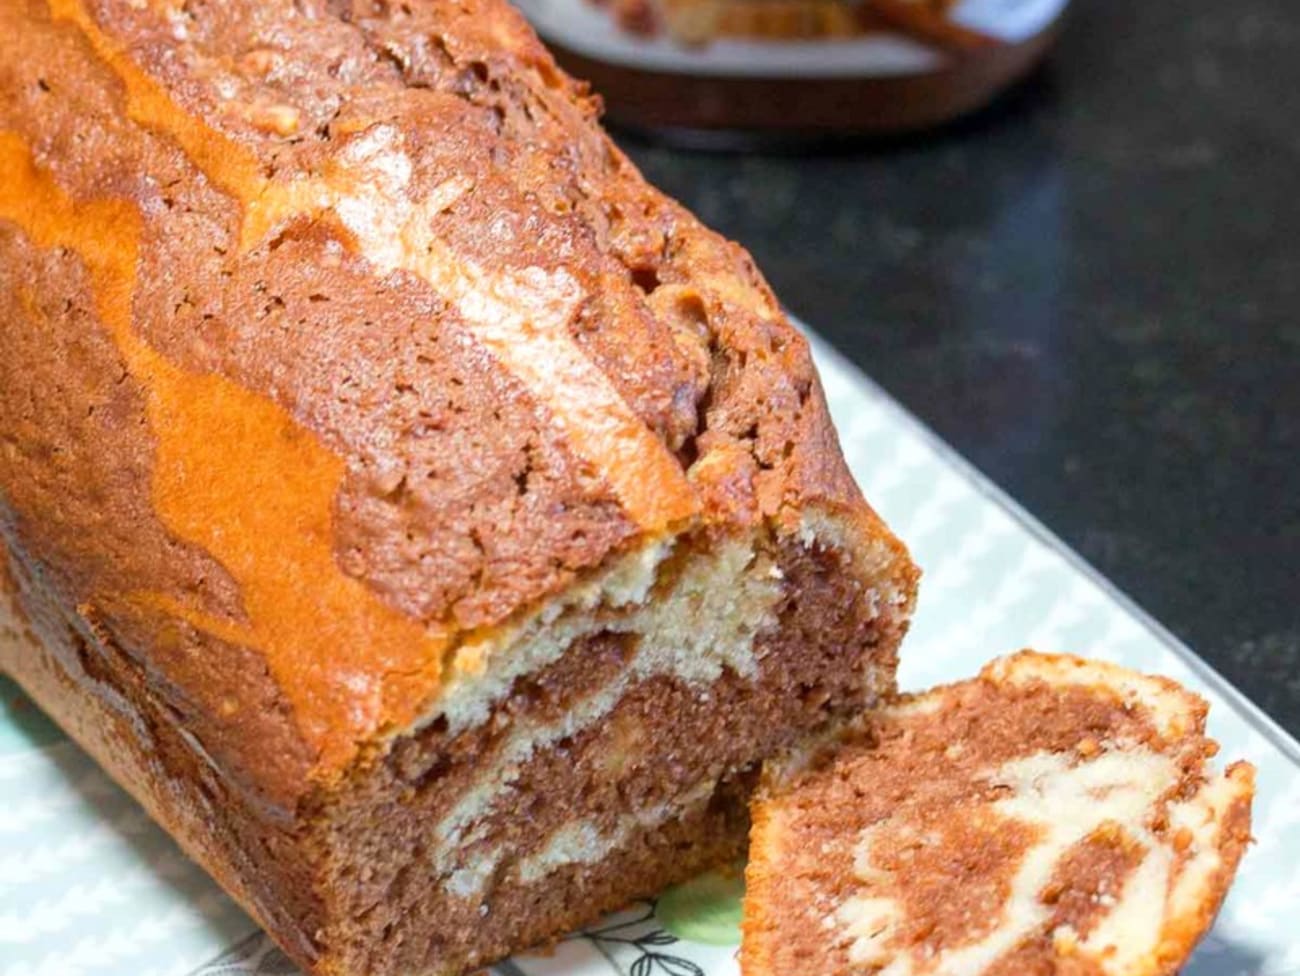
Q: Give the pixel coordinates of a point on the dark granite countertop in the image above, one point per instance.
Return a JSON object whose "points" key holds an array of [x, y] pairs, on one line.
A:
{"points": [[1093, 291]]}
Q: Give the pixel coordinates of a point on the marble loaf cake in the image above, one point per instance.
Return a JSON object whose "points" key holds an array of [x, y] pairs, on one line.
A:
{"points": [[430, 523]]}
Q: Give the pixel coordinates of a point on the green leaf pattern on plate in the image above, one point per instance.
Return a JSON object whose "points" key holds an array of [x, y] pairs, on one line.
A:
{"points": [[705, 910]]}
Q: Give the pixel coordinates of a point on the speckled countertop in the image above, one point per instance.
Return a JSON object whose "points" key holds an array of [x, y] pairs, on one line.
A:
{"points": [[1093, 291]]}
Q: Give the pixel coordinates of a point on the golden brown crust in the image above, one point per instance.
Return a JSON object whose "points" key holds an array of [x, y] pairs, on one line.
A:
{"points": [[106, 701], [192, 192], [1052, 815]]}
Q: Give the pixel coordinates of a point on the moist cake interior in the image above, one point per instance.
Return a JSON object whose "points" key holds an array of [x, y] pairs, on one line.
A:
{"points": [[608, 744], [1051, 816]]}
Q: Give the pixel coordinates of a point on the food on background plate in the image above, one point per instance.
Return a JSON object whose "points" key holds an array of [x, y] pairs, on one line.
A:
{"points": [[430, 523], [1053, 815], [704, 21], [735, 72]]}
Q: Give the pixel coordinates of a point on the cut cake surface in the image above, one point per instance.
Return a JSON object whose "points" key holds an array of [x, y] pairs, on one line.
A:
{"points": [[1053, 815]]}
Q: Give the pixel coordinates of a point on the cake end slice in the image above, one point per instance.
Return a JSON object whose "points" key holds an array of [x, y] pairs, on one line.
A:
{"points": [[1053, 815]]}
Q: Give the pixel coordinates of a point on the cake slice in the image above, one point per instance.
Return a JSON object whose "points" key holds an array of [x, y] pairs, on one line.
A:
{"points": [[1053, 815]]}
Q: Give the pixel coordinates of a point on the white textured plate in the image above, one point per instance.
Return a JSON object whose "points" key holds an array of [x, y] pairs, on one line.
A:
{"points": [[89, 885]]}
